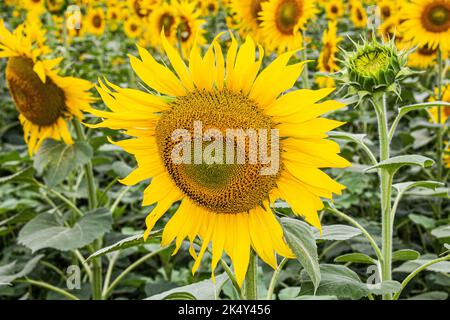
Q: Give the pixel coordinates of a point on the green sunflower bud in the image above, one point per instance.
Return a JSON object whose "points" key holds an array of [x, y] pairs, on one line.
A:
{"points": [[374, 67]]}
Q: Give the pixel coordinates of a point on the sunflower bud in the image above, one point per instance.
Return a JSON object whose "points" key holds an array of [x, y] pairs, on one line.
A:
{"points": [[374, 67]]}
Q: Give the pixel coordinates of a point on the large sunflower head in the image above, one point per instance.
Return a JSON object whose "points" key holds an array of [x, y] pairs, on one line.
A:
{"points": [[44, 99], [283, 21], [427, 22], [197, 139]]}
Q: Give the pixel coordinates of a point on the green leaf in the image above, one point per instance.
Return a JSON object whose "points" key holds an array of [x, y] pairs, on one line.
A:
{"points": [[410, 266], [355, 258], [337, 280], [395, 163], [424, 221], [180, 296], [202, 290], [385, 287], [404, 186], [59, 159], [301, 240], [340, 135], [432, 295], [7, 274], [338, 232], [22, 175], [288, 293], [437, 193], [441, 232], [45, 231], [405, 255], [133, 241], [311, 297]]}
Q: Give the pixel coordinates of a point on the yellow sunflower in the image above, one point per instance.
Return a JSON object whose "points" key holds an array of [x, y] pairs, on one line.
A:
{"points": [[427, 23], [44, 99], [445, 111], [283, 20], [133, 27], [358, 15], [209, 7], [188, 25], [95, 21], [248, 13], [387, 8], [162, 17], [422, 58], [226, 204], [334, 9], [114, 17], [447, 157], [55, 6], [327, 58]]}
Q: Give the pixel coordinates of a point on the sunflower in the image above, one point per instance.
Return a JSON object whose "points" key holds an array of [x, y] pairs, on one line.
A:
{"points": [[225, 204], [55, 6], [422, 58], [334, 9], [358, 15], [114, 16], [327, 58], [142, 8], [44, 99], [282, 21], [188, 25], [209, 7], [162, 17], [427, 22], [248, 13], [445, 111], [389, 29], [95, 21], [386, 8], [34, 6], [133, 27]]}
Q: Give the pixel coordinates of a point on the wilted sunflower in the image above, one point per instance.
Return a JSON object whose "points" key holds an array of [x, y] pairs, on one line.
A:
{"points": [[225, 204], [334, 9], [327, 58], [427, 22], [422, 58], [44, 99], [282, 21], [358, 15], [95, 21], [162, 17], [133, 27], [445, 111]]}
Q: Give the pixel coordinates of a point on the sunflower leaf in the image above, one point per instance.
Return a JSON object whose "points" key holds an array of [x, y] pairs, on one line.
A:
{"points": [[395, 163], [301, 240], [58, 159], [45, 231]]}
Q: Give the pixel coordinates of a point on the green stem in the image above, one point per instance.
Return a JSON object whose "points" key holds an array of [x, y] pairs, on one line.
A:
{"points": [[385, 189], [360, 227], [251, 279], [415, 272], [48, 286], [440, 143], [96, 280], [274, 280], [232, 278], [129, 269]]}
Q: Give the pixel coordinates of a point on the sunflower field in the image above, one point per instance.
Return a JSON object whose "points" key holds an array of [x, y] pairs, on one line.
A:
{"points": [[224, 150]]}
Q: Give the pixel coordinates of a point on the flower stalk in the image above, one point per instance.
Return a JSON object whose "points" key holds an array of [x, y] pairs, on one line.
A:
{"points": [[251, 279]]}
